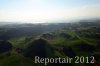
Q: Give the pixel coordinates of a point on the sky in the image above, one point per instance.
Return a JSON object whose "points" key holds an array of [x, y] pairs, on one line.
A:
{"points": [[47, 10]]}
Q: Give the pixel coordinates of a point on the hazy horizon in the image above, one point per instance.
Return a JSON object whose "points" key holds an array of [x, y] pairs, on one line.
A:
{"points": [[40, 11]]}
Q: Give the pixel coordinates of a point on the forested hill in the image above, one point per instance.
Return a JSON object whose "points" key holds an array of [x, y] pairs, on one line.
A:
{"points": [[20, 43]]}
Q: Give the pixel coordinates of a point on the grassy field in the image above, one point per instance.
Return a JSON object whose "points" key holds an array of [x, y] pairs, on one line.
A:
{"points": [[77, 40]]}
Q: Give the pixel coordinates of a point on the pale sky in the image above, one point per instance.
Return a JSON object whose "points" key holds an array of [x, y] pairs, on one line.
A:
{"points": [[48, 10]]}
